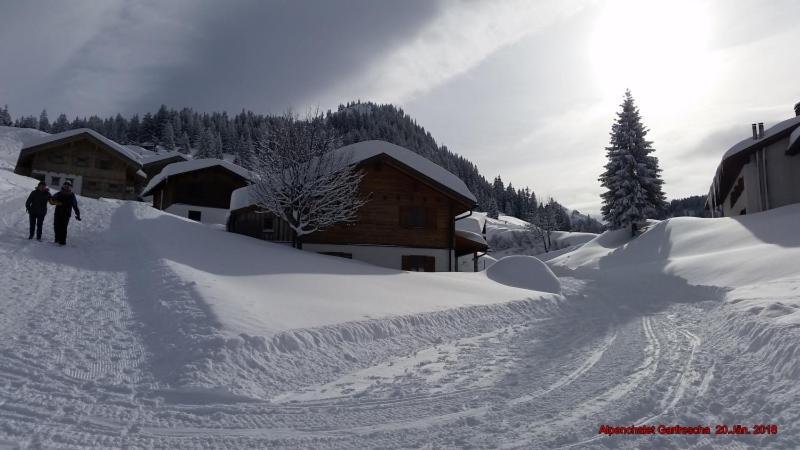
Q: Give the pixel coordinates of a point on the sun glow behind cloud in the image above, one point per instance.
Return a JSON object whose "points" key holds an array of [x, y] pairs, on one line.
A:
{"points": [[658, 49]]}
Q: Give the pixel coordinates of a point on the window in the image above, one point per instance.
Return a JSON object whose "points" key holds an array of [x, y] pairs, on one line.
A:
{"points": [[55, 181], [92, 185], [113, 187], [416, 217], [103, 164], [419, 263], [194, 215], [339, 254], [81, 161], [269, 223], [56, 158]]}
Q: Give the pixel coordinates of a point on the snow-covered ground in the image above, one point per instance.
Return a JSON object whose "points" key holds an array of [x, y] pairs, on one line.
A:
{"points": [[151, 331]]}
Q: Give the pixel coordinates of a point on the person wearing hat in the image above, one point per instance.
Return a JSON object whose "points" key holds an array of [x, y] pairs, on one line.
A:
{"points": [[64, 201], [36, 206]]}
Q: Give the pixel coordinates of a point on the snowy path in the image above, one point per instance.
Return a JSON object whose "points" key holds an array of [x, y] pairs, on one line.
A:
{"points": [[548, 383], [85, 361]]}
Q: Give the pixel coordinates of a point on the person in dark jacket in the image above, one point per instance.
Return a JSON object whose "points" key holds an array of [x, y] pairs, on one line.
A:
{"points": [[64, 201], [36, 206]]}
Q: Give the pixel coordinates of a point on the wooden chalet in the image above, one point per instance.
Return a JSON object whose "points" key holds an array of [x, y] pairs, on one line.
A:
{"points": [[95, 165], [199, 189], [408, 222]]}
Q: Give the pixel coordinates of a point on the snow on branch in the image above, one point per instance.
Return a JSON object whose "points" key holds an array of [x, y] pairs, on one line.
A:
{"points": [[301, 178]]}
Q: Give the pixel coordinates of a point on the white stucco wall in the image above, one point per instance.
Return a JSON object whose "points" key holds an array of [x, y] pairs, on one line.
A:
{"points": [[207, 215], [783, 175], [77, 180], [783, 181], [384, 256]]}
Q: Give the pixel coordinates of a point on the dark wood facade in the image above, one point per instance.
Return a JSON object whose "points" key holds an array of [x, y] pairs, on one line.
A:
{"points": [[209, 187], [402, 210], [102, 171], [252, 222]]}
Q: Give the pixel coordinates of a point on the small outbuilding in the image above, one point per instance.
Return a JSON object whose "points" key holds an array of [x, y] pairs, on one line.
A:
{"points": [[199, 189], [95, 165]]}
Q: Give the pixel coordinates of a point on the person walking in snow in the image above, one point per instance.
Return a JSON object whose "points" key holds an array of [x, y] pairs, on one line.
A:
{"points": [[36, 206], [64, 201]]}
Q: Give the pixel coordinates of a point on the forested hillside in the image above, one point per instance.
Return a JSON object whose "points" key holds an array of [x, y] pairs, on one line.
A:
{"points": [[217, 133]]}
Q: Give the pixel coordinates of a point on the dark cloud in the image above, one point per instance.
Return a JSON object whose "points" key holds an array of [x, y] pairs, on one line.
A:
{"points": [[266, 56]]}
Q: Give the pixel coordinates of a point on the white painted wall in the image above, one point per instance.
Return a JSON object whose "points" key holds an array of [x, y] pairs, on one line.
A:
{"points": [[384, 256], [783, 175], [77, 180], [783, 181], [207, 215]]}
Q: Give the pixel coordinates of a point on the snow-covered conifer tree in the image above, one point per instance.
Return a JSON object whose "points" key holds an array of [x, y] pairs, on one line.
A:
{"points": [[632, 178], [302, 179], [205, 146], [185, 144], [493, 211], [168, 136], [5, 117]]}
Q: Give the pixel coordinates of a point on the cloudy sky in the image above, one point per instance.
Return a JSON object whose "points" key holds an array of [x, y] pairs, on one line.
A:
{"points": [[525, 89]]}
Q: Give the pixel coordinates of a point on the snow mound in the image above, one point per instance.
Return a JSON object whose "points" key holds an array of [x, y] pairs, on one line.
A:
{"points": [[524, 272]]}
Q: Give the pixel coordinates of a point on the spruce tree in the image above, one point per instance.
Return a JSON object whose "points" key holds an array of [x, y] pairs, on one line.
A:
{"points": [[61, 124], [44, 122], [632, 178], [168, 136], [5, 117], [205, 147], [185, 144]]}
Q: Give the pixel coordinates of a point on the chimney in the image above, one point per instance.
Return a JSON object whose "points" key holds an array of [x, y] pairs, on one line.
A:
{"points": [[760, 130], [755, 133], [797, 109]]}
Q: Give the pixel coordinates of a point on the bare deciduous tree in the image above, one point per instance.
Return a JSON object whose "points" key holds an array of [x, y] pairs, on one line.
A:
{"points": [[301, 178]]}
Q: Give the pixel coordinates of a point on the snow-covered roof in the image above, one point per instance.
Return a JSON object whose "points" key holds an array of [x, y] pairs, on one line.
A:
{"points": [[123, 151], [471, 236], [367, 149], [140, 150], [768, 133], [156, 157], [191, 166], [240, 198]]}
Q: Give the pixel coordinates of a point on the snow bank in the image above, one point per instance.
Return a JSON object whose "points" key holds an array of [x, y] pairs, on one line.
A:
{"points": [[524, 272], [725, 252]]}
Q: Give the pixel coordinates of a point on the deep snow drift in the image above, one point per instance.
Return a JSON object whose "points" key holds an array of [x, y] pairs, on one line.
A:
{"points": [[151, 331]]}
